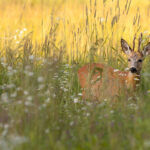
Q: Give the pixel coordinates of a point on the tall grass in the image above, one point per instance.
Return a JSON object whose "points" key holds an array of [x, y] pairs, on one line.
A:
{"points": [[43, 44]]}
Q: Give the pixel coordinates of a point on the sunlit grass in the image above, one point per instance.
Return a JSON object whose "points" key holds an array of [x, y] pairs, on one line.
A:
{"points": [[89, 20]]}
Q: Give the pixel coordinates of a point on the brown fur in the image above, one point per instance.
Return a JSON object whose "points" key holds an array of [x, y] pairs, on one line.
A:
{"points": [[98, 80], [113, 81]]}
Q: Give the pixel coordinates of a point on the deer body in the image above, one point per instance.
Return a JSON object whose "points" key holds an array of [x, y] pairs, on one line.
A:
{"points": [[98, 80], [108, 83]]}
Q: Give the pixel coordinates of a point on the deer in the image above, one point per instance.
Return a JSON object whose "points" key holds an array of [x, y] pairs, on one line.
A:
{"points": [[98, 80]]}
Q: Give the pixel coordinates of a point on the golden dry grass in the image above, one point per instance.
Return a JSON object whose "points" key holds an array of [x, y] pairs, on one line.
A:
{"points": [[108, 19]]}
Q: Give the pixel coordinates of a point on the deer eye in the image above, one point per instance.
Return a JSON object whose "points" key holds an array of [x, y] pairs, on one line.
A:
{"points": [[129, 60], [140, 60]]}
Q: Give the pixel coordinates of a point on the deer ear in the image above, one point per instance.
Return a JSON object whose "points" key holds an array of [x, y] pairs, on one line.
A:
{"points": [[125, 47], [146, 50]]}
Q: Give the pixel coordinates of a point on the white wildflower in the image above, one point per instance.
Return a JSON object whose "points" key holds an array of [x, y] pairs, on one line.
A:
{"points": [[19, 89], [40, 79], [21, 32], [126, 69], [15, 37], [9, 68], [30, 74], [47, 92], [14, 71], [105, 100], [4, 64], [136, 79], [75, 100], [26, 92], [65, 90], [101, 19], [13, 94], [44, 105], [28, 103], [79, 94], [25, 29], [29, 98], [84, 108], [87, 114], [133, 106], [4, 133], [19, 102], [41, 86], [31, 57], [47, 100], [89, 103], [10, 86], [98, 77], [47, 131], [130, 98], [4, 97], [27, 67], [112, 111], [116, 70], [71, 123], [67, 65], [6, 126], [54, 95]]}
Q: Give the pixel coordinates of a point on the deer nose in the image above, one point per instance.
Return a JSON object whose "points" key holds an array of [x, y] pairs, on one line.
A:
{"points": [[133, 70]]}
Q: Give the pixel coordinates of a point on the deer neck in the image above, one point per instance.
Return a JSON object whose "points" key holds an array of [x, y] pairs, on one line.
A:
{"points": [[133, 80]]}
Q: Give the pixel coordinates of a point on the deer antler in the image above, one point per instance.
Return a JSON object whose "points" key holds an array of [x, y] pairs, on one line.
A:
{"points": [[134, 42], [140, 41]]}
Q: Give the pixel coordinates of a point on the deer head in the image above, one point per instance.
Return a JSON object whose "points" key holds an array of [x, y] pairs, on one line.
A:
{"points": [[135, 58]]}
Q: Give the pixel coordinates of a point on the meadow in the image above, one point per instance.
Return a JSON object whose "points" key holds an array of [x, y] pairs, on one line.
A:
{"points": [[43, 43]]}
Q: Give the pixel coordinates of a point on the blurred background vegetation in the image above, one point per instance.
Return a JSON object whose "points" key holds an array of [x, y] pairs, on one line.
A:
{"points": [[87, 21]]}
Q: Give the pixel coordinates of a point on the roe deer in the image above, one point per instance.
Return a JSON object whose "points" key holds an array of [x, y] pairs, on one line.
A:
{"points": [[98, 80]]}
